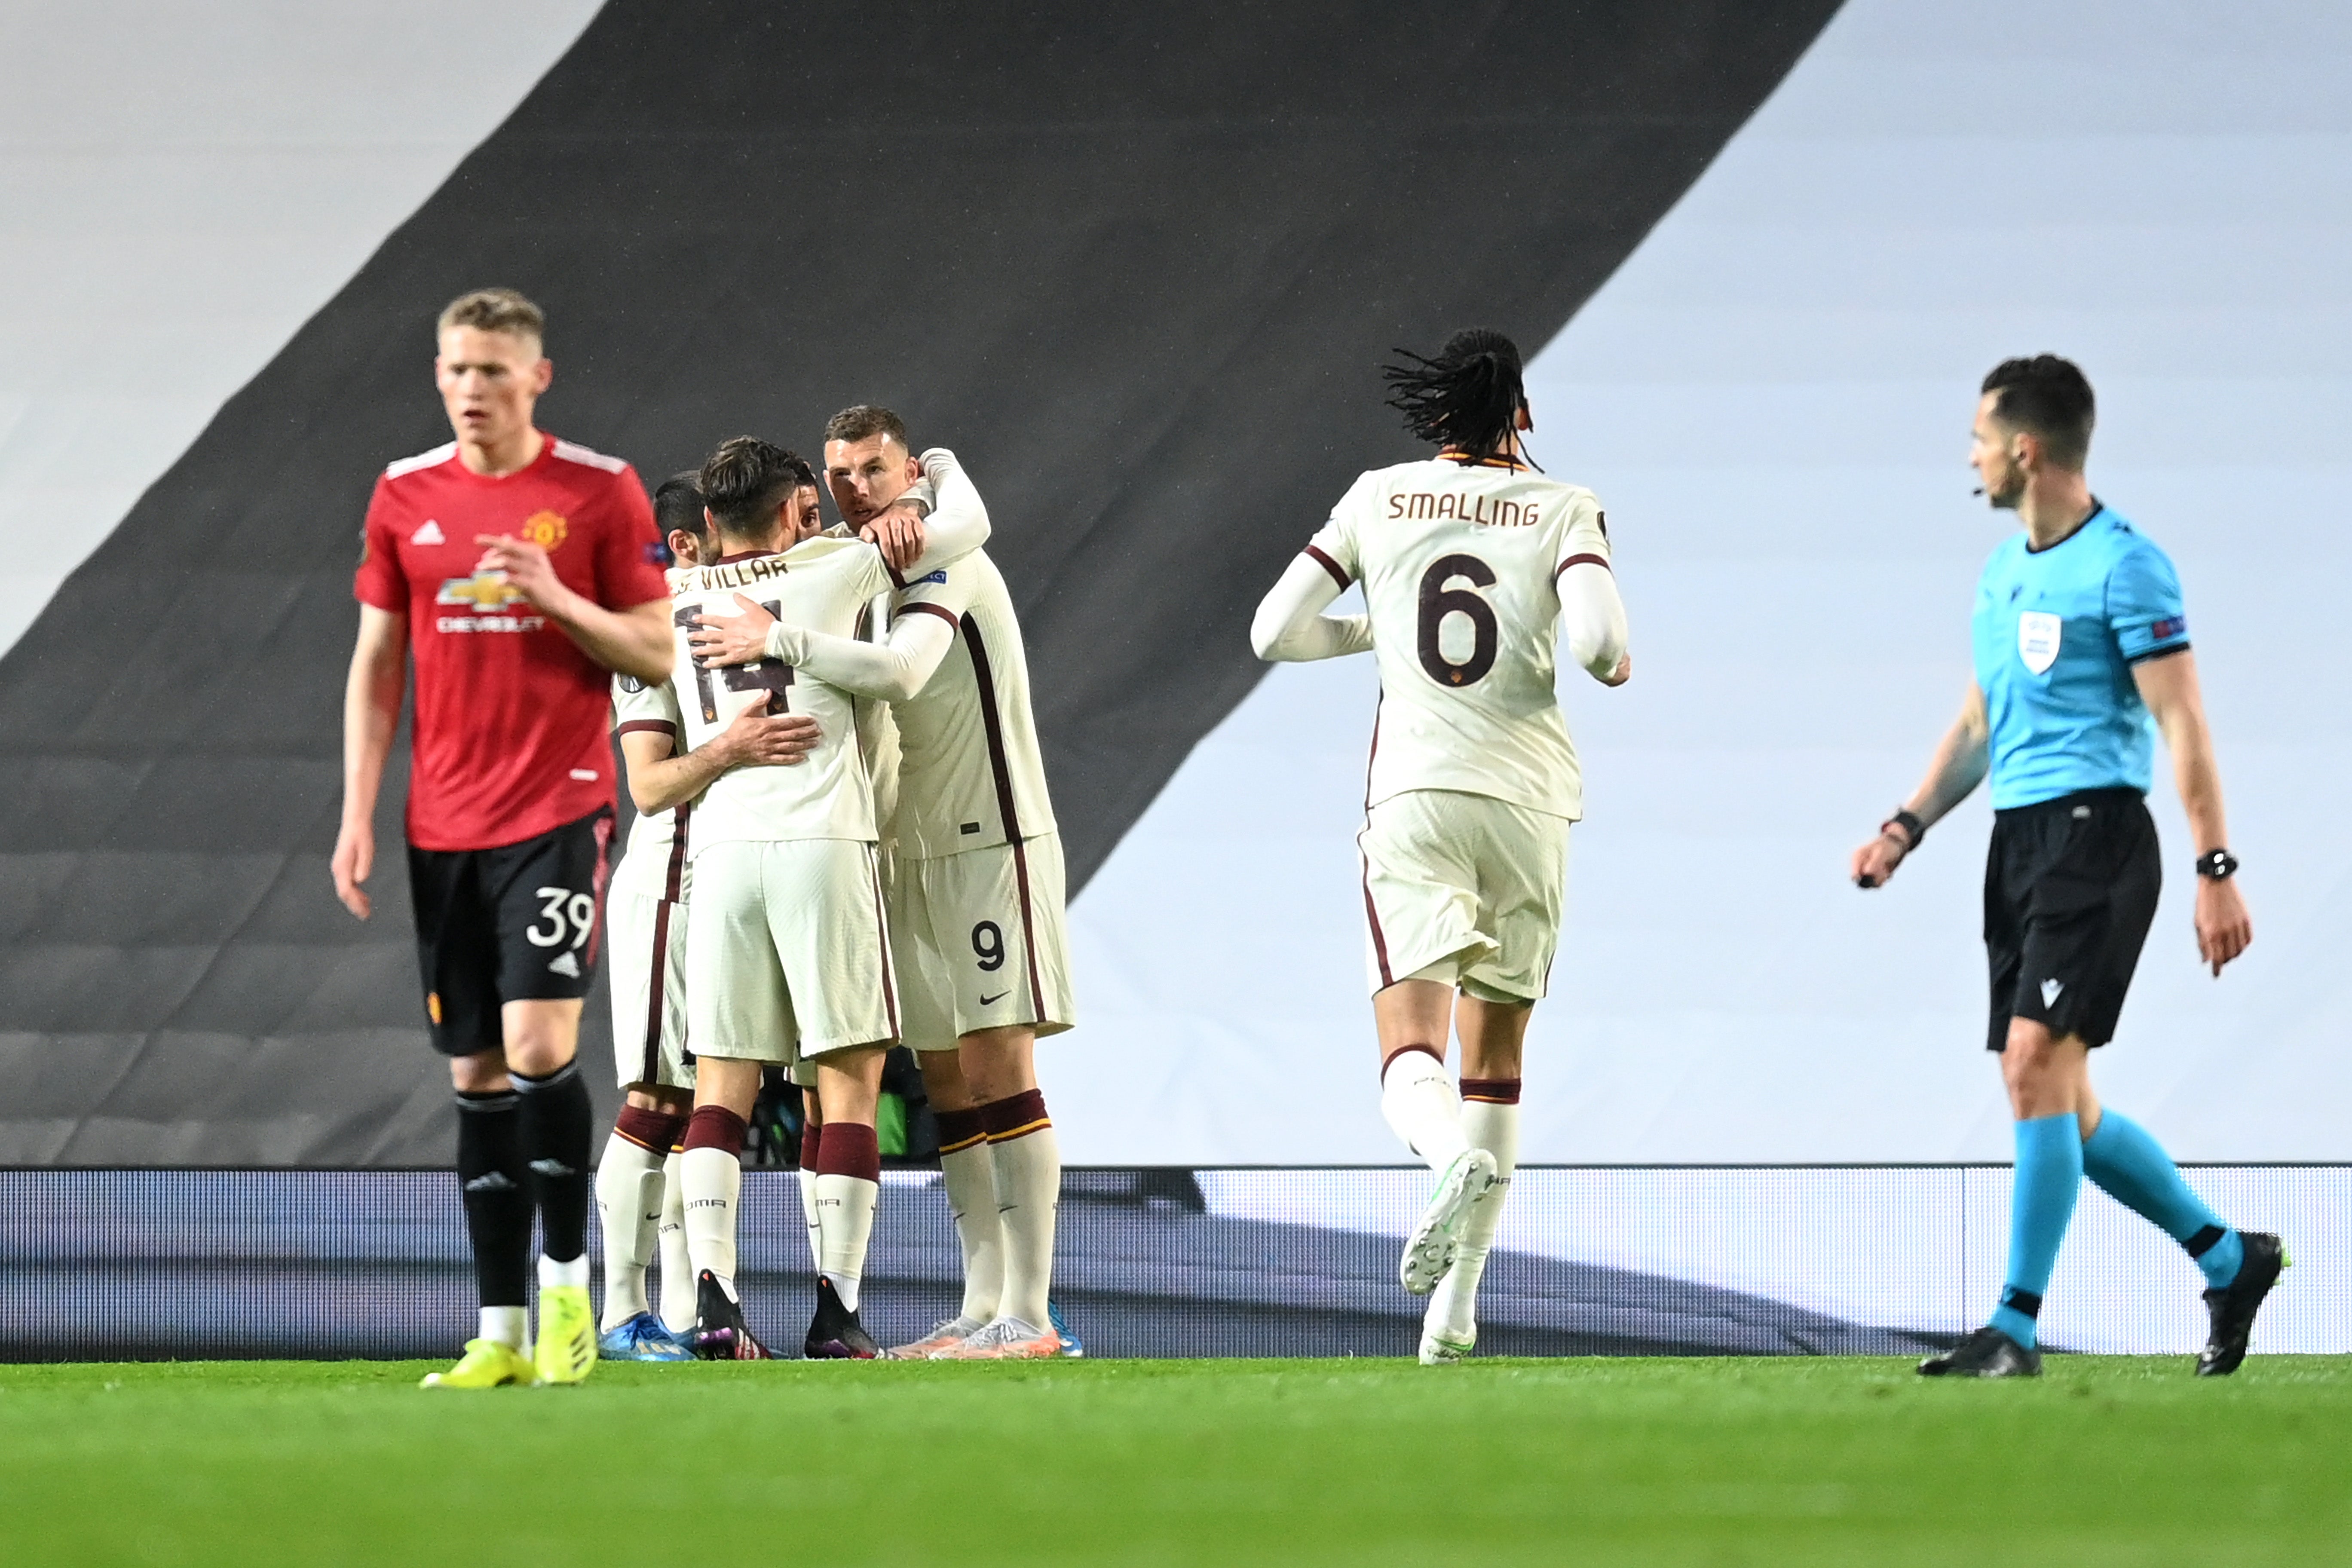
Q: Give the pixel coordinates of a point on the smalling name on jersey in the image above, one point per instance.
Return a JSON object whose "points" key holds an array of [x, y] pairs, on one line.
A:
{"points": [[1486, 511]]}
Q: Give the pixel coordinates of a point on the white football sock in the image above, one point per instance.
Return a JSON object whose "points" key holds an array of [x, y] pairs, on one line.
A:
{"points": [[712, 1180], [970, 1176], [1028, 1187], [808, 1217], [1454, 1306], [510, 1326], [629, 1209], [845, 1208], [565, 1272], [677, 1268], [1422, 1106]]}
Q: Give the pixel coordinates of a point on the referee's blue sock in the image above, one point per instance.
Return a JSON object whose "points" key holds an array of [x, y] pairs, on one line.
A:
{"points": [[2049, 1175], [2133, 1169]]}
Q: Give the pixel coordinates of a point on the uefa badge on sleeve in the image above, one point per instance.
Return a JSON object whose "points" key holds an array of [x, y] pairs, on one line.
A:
{"points": [[2037, 641]]}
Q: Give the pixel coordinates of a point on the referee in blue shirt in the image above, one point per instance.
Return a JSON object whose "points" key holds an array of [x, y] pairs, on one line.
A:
{"points": [[2080, 639]]}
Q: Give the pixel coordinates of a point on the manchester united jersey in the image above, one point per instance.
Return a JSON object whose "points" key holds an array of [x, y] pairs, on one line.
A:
{"points": [[970, 773], [823, 584], [509, 736], [1460, 565]]}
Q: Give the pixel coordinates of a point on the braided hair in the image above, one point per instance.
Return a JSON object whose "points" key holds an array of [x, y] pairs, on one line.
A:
{"points": [[1468, 398]]}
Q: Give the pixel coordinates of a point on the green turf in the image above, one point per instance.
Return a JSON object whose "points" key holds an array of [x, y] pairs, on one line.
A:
{"points": [[1719, 1461]]}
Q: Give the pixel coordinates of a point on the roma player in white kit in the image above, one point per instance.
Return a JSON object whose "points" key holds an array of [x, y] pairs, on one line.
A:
{"points": [[787, 951], [638, 1188], [1471, 564], [976, 889]]}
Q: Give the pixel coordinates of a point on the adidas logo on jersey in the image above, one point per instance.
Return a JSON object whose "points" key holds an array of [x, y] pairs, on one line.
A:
{"points": [[2050, 989], [565, 964], [429, 534]]}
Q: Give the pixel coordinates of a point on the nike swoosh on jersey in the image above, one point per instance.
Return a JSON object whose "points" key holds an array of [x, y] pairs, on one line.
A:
{"points": [[992, 1001]]}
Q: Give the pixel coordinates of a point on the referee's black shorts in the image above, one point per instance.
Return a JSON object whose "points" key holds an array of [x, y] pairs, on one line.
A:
{"points": [[2070, 891], [520, 922]]}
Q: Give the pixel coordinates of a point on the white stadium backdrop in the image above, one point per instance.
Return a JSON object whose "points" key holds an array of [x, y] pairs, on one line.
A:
{"points": [[167, 232], [1772, 399]]}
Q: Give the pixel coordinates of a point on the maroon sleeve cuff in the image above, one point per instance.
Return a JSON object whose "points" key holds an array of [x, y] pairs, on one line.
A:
{"points": [[1585, 560], [1338, 574], [649, 727], [939, 610]]}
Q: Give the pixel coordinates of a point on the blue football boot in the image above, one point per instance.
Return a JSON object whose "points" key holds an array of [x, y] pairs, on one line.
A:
{"points": [[641, 1338], [1072, 1345]]}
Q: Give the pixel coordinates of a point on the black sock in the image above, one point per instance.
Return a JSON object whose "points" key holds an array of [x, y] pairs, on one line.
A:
{"points": [[554, 1126], [491, 1174]]}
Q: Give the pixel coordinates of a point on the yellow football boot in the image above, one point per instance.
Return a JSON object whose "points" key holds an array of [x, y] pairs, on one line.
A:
{"points": [[566, 1351], [486, 1363]]}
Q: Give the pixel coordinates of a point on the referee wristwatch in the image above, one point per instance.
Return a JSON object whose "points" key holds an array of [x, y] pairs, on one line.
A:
{"points": [[2216, 865]]}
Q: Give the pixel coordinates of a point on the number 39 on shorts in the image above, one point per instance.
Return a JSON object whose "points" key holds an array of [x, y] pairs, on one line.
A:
{"points": [[565, 914]]}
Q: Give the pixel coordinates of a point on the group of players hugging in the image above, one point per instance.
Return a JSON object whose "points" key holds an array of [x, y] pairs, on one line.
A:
{"points": [[844, 842], [843, 839]]}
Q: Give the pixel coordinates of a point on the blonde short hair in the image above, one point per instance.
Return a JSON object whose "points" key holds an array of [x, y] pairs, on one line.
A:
{"points": [[495, 311]]}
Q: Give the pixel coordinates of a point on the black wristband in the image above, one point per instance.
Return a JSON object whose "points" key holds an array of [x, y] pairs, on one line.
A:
{"points": [[2216, 865], [1908, 821]]}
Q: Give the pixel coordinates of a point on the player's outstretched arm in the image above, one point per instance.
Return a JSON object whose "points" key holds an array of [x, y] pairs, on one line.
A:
{"points": [[372, 694], [1958, 768], [1290, 626], [658, 779], [1594, 618], [893, 672], [938, 521], [2168, 684]]}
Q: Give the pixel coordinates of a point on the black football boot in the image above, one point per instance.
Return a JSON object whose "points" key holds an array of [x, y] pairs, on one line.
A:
{"points": [[2232, 1306], [835, 1333], [720, 1332], [1988, 1353]]}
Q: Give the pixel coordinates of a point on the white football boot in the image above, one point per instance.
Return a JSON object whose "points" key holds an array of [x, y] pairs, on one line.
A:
{"points": [[1429, 1249]]}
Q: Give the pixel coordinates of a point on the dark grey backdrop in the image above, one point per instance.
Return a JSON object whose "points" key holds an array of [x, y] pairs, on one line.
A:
{"points": [[1136, 265]]}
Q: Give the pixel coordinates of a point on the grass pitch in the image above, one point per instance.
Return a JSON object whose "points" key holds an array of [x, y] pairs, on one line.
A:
{"points": [[1634, 1461]]}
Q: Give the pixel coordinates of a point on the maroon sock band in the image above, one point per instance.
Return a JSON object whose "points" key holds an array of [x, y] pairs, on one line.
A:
{"points": [[959, 1130], [716, 1127], [649, 1129], [1491, 1090], [1015, 1116], [811, 1144], [1431, 1052], [849, 1149]]}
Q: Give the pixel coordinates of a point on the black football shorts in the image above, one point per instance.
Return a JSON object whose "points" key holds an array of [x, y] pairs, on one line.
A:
{"points": [[520, 922], [2069, 890]]}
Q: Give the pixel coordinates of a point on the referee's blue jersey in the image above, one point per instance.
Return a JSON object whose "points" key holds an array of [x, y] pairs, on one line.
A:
{"points": [[2057, 633]]}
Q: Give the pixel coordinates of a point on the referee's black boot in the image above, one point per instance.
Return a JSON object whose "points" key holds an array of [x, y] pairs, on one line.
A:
{"points": [[1988, 1353], [2232, 1306], [835, 1333]]}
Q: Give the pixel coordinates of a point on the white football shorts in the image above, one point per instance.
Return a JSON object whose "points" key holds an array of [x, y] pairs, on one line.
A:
{"points": [[645, 940], [786, 952], [1465, 881], [980, 942]]}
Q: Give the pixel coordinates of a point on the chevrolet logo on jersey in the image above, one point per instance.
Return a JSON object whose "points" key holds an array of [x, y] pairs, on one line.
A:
{"points": [[483, 591]]}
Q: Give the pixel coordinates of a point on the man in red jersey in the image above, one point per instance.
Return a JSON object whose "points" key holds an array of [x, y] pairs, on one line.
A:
{"points": [[521, 572]]}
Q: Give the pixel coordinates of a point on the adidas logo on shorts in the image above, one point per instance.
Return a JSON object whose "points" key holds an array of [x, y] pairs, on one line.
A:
{"points": [[565, 964]]}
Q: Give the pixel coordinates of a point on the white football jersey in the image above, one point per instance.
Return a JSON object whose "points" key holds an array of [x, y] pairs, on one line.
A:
{"points": [[655, 862], [822, 584], [970, 772], [1461, 563]]}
